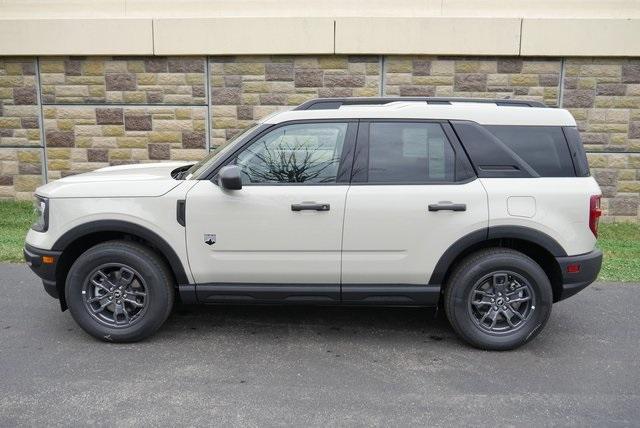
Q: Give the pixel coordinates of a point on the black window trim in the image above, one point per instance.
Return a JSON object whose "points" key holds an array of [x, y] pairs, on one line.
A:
{"points": [[575, 151], [346, 158], [355, 153], [464, 172]]}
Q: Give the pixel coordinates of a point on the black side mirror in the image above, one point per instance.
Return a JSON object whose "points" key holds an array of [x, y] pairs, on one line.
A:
{"points": [[230, 178]]}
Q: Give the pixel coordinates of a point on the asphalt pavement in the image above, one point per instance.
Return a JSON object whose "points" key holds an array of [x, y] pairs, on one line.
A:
{"points": [[317, 366]]}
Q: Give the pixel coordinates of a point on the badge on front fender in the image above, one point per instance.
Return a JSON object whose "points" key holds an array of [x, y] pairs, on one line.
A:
{"points": [[209, 238]]}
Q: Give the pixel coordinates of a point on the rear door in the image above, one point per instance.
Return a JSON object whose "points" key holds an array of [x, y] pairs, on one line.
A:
{"points": [[413, 194]]}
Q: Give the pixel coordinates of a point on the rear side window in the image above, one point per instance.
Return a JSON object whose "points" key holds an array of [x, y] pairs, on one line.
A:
{"points": [[409, 152], [544, 148]]}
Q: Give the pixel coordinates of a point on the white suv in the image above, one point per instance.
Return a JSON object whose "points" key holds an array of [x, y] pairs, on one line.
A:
{"points": [[485, 207]]}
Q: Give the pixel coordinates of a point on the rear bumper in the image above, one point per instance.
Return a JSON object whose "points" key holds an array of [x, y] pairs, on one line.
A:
{"points": [[589, 267], [46, 271]]}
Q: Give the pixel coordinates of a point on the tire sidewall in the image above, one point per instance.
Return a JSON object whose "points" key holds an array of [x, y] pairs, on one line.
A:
{"points": [[523, 266], [158, 291]]}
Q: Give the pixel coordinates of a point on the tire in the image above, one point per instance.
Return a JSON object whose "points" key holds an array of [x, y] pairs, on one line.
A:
{"points": [[478, 279], [140, 282]]}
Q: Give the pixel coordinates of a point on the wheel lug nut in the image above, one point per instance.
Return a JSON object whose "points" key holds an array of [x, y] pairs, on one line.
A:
{"points": [[507, 299], [499, 294], [110, 298], [493, 300], [504, 307], [495, 308]]}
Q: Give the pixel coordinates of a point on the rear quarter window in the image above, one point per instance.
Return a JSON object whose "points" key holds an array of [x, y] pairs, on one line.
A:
{"points": [[544, 148], [580, 162]]}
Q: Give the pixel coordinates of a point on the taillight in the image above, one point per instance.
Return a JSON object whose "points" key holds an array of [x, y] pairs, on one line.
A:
{"points": [[594, 214]]}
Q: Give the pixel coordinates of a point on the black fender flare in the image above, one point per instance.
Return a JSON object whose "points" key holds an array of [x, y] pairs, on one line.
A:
{"points": [[120, 226], [495, 232]]}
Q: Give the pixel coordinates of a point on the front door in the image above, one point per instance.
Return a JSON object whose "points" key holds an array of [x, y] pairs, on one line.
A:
{"points": [[284, 227]]}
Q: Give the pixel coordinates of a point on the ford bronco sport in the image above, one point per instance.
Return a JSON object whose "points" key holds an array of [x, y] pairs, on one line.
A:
{"points": [[485, 207]]}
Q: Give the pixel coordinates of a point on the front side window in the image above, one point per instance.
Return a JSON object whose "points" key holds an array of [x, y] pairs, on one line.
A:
{"points": [[299, 153], [409, 152], [206, 163]]}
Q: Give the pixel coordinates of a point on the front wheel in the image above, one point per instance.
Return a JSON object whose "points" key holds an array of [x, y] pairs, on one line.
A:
{"points": [[498, 299], [119, 291]]}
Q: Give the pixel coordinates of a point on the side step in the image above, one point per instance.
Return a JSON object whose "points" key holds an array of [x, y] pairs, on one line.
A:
{"points": [[390, 294], [311, 294]]}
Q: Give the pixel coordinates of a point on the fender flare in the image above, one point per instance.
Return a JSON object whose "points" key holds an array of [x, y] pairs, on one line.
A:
{"points": [[495, 232], [120, 226]]}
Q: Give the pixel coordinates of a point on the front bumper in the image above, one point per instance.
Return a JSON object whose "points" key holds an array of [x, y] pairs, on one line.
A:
{"points": [[589, 265], [47, 271]]}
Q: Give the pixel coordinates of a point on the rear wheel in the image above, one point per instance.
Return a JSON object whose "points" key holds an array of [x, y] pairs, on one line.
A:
{"points": [[119, 291], [498, 299]]}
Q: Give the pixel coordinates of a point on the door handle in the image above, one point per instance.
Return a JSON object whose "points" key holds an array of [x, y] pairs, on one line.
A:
{"points": [[447, 206], [310, 206]]}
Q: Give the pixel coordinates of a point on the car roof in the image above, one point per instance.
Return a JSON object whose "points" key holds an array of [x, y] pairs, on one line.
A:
{"points": [[485, 112]]}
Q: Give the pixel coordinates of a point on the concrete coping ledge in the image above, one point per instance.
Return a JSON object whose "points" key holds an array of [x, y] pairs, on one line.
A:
{"points": [[321, 35]]}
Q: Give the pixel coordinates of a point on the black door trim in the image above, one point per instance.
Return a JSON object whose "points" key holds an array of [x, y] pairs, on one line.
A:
{"points": [[311, 294], [390, 294], [246, 293]]}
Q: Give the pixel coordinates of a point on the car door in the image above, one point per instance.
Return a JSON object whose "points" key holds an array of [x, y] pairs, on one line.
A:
{"points": [[413, 194], [284, 227]]}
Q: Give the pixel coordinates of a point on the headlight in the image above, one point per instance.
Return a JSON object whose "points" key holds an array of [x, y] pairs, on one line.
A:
{"points": [[41, 209]]}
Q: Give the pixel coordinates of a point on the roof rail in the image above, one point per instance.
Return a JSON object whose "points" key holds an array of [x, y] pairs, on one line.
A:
{"points": [[335, 103]]}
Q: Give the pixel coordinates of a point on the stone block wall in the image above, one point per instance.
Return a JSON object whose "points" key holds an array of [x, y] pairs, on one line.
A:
{"points": [[531, 79], [21, 150], [82, 113], [140, 80], [604, 97], [83, 138], [244, 89]]}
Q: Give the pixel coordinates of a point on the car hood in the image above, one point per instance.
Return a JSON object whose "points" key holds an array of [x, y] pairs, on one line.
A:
{"points": [[150, 179]]}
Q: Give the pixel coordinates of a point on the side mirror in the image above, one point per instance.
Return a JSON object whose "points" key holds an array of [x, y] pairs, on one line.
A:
{"points": [[230, 178]]}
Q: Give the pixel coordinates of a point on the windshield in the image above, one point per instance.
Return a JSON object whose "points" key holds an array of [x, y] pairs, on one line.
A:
{"points": [[197, 169]]}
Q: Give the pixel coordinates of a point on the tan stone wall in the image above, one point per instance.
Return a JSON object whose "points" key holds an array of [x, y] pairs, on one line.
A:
{"points": [[531, 79], [244, 89], [101, 111], [619, 177], [20, 172], [604, 97], [82, 138], [138, 80], [20, 145]]}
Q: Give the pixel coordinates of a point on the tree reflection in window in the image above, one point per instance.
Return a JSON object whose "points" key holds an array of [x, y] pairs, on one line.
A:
{"points": [[303, 153]]}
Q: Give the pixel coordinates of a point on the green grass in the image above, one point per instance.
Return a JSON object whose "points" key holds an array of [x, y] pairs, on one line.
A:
{"points": [[15, 220], [620, 242], [621, 246]]}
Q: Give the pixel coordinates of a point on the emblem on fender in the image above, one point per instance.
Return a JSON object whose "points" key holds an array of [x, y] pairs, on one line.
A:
{"points": [[209, 238]]}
